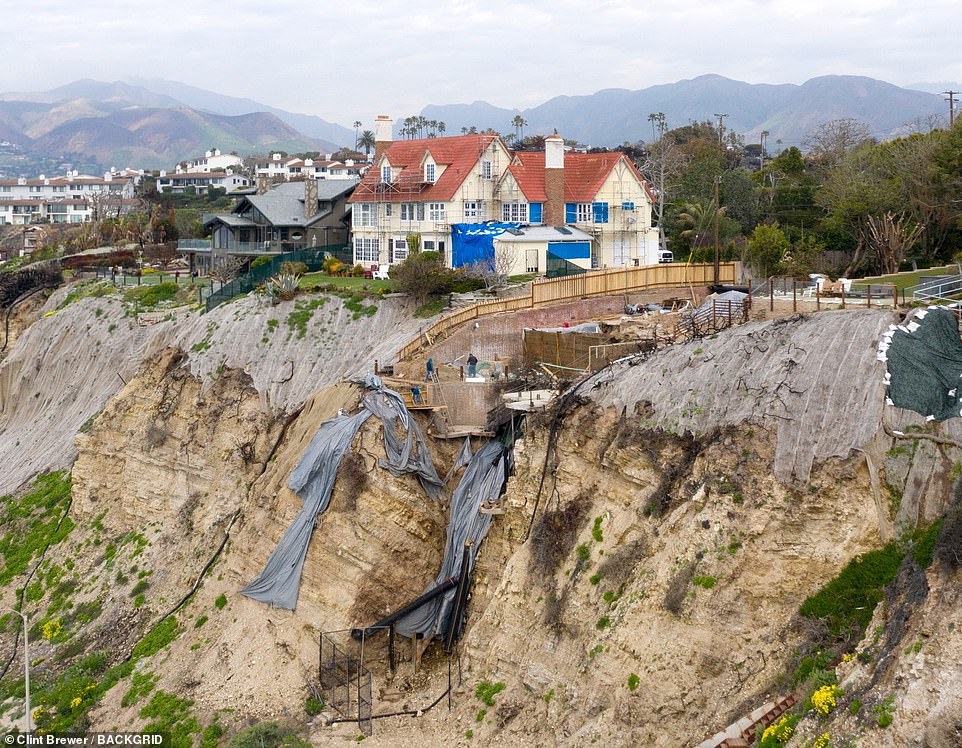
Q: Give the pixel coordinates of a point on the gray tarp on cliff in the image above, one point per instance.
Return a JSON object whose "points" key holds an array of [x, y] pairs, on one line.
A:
{"points": [[313, 480], [924, 358], [482, 482]]}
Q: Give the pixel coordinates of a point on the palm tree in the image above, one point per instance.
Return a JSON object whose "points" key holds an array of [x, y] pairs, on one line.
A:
{"points": [[366, 142], [699, 217], [441, 128], [357, 125], [519, 124]]}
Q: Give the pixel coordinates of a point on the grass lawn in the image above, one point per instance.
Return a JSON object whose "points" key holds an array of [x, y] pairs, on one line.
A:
{"points": [[904, 280], [347, 283]]}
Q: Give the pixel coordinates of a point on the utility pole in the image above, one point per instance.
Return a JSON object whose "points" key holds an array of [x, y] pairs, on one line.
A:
{"points": [[717, 259], [951, 99], [721, 127]]}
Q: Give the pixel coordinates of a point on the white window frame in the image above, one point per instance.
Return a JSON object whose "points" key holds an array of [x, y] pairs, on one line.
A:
{"points": [[366, 250], [385, 173], [514, 212], [399, 250], [584, 213], [430, 173], [435, 211], [366, 216], [412, 211], [474, 209], [486, 170]]}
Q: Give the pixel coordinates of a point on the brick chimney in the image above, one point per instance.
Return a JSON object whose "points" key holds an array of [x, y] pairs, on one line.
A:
{"points": [[383, 135], [310, 196], [554, 180], [263, 184]]}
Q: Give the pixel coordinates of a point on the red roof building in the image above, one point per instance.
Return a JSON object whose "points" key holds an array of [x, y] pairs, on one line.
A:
{"points": [[425, 186]]}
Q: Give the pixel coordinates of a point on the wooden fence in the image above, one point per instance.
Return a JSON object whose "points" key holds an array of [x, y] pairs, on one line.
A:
{"points": [[544, 292]]}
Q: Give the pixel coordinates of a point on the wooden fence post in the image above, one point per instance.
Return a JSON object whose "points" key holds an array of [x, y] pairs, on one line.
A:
{"points": [[771, 295], [794, 298]]}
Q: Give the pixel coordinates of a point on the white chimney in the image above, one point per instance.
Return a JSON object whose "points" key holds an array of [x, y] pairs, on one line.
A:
{"points": [[554, 152], [383, 133]]}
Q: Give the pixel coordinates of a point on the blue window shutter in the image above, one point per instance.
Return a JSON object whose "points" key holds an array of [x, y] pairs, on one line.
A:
{"points": [[599, 212], [534, 212], [571, 213]]}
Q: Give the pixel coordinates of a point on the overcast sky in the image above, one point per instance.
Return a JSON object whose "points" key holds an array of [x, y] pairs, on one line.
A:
{"points": [[358, 58]]}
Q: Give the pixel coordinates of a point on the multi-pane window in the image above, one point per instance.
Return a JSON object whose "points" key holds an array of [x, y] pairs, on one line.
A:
{"points": [[399, 250], [584, 213], [473, 209], [435, 211], [514, 212], [429, 173], [385, 173], [486, 170], [412, 211], [388, 209], [366, 250], [365, 215]]}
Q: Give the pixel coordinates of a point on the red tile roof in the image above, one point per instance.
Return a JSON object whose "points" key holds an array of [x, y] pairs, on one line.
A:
{"points": [[458, 155], [585, 173]]}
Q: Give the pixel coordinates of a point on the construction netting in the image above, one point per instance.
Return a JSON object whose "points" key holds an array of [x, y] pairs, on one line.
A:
{"points": [[478, 492], [313, 480], [924, 360]]}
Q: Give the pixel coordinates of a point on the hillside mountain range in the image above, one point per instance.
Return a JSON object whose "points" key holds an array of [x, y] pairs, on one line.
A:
{"points": [[787, 111], [154, 123], [124, 124]]}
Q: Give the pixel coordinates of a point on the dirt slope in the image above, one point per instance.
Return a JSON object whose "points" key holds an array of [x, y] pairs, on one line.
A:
{"points": [[646, 594]]}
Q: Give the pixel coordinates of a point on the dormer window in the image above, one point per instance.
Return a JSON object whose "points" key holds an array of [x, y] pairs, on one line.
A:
{"points": [[386, 173], [429, 173]]}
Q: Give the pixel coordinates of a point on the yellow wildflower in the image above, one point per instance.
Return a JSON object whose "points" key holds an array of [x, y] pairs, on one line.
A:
{"points": [[822, 741], [824, 699]]}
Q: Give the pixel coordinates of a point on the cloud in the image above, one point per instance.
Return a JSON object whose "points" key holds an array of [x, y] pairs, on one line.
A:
{"points": [[354, 60]]}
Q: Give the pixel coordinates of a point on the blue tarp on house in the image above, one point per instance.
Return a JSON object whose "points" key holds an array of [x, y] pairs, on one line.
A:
{"points": [[471, 242]]}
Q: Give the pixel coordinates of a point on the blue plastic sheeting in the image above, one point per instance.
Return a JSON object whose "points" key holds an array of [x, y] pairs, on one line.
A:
{"points": [[570, 250], [313, 479], [474, 242], [481, 483]]}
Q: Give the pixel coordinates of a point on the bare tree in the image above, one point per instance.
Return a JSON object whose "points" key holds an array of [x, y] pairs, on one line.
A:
{"points": [[662, 165], [891, 237], [494, 271], [830, 141], [227, 268]]}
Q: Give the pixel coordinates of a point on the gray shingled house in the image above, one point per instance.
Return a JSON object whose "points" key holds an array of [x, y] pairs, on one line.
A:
{"points": [[288, 216]]}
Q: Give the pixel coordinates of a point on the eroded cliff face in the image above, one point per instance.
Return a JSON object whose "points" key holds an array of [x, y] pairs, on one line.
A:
{"points": [[642, 587]]}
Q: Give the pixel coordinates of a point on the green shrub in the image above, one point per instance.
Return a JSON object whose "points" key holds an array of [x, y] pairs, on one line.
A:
{"points": [[313, 706], [633, 681], [847, 602], [707, 582], [486, 691], [603, 623], [221, 602], [156, 639], [596, 532], [267, 735]]}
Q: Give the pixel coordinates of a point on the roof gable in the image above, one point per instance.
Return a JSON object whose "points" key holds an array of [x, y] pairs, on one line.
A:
{"points": [[457, 155]]}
